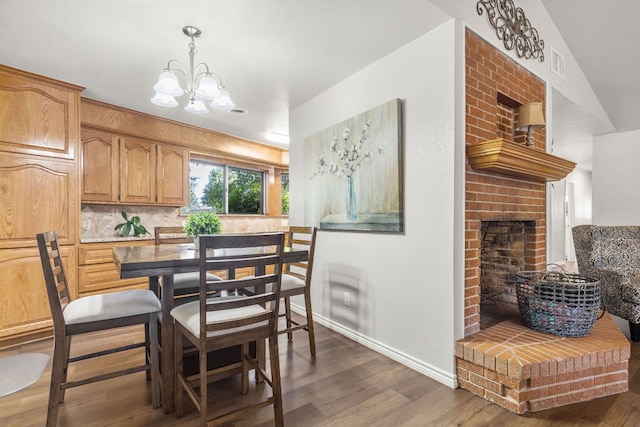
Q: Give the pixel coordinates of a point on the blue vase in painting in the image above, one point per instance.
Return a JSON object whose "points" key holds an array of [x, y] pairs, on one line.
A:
{"points": [[352, 210]]}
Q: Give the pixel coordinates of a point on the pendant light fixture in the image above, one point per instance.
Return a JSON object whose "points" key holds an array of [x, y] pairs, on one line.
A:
{"points": [[202, 84]]}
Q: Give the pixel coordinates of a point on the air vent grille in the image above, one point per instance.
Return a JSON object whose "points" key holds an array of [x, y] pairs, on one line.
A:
{"points": [[557, 63]]}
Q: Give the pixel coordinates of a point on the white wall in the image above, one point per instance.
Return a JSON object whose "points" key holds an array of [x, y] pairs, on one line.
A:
{"points": [[403, 286], [556, 193], [616, 195], [583, 197], [569, 202]]}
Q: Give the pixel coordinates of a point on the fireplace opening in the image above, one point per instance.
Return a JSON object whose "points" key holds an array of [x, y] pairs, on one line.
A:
{"points": [[503, 252]]}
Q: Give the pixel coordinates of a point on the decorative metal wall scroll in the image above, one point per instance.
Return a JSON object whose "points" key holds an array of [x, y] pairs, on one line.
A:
{"points": [[513, 28]]}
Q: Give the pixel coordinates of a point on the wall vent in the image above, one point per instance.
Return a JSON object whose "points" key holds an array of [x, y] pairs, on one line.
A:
{"points": [[557, 63]]}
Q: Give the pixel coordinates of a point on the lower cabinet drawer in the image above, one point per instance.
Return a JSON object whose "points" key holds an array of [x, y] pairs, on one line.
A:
{"points": [[105, 276], [97, 271]]}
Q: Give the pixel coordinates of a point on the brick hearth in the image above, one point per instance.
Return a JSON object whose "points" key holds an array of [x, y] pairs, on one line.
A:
{"points": [[523, 370]]}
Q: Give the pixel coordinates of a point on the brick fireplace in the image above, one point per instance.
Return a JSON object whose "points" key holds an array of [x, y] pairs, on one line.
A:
{"points": [[505, 232], [495, 87]]}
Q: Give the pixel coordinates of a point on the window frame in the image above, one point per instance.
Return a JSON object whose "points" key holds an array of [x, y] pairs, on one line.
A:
{"points": [[226, 165]]}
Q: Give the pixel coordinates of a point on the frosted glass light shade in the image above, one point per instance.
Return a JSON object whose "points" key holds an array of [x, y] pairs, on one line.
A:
{"points": [[196, 106], [168, 84], [207, 88], [223, 101], [164, 100]]}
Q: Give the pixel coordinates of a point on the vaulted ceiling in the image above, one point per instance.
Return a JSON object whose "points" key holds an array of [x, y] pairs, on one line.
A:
{"points": [[274, 55]]}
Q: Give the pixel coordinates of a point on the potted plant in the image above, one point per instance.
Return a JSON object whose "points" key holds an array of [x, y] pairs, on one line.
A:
{"points": [[129, 225], [200, 223]]}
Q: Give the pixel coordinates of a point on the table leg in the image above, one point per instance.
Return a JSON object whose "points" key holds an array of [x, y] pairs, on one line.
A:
{"points": [[168, 372]]}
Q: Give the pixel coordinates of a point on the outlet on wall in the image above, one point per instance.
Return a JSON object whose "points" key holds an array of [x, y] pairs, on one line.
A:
{"points": [[347, 299]]}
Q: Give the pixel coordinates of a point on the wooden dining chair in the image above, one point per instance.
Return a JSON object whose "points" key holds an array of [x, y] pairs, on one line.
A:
{"points": [[217, 323], [296, 280], [90, 314], [183, 283]]}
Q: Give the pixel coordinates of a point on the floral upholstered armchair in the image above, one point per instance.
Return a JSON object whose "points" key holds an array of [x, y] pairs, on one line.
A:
{"points": [[611, 254]]}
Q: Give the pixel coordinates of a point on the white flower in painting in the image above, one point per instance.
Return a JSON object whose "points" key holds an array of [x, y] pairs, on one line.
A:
{"points": [[350, 157]]}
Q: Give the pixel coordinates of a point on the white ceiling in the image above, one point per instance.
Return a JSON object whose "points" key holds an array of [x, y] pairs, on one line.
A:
{"points": [[603, 38], [274, 55]]}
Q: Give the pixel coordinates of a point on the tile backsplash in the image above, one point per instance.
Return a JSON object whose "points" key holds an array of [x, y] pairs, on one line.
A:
{"points": [[99, 220]]}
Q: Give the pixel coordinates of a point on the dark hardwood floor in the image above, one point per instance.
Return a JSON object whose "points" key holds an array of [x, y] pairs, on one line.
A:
{"points": [[346, 385]]}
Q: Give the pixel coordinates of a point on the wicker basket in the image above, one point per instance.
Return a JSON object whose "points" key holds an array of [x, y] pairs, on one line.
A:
{"points": [[559, 303]]}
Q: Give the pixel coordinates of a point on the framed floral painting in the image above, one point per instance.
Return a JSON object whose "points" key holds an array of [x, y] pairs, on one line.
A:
{"points": [[353, 172]]}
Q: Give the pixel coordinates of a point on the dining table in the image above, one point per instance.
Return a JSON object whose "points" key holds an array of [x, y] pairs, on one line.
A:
{"points": [[163, 261]]}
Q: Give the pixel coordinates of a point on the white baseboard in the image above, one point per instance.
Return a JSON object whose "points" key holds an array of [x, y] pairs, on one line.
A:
{"points": [[404, 359]]}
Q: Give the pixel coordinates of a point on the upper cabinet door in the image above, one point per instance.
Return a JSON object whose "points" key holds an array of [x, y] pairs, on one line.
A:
{"points": [[38, 115], [37, 194], [99, 166], [137, 171], [173, 176]]}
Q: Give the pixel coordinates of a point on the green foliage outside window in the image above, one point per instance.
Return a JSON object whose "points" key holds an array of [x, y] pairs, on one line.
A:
{"points": [[193, 198], [213, 193], [285, 193], [245, 191]]}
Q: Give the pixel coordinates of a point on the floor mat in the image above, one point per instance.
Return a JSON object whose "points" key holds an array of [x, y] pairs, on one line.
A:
{"points": [[20, 371]]}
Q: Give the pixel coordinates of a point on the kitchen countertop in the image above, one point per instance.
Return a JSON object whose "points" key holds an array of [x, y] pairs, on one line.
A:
{"points": [[119, 238], [114, 238]]}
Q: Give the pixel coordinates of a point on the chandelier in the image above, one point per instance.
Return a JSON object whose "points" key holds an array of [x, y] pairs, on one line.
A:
{"points": [[202, 84]]}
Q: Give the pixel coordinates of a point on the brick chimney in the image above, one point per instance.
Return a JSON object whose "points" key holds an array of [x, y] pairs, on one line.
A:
{"points": [[495, 87]]}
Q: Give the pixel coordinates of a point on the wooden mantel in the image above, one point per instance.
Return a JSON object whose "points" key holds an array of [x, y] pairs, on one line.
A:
{"points": [[508, 158]]}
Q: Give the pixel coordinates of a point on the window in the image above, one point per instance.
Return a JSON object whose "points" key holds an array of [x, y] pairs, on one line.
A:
{"points": [[225, 189]]}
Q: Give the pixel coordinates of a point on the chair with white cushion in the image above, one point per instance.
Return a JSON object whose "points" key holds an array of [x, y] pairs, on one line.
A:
{"points": [[296, 280], [90, 314], [212, 324]]}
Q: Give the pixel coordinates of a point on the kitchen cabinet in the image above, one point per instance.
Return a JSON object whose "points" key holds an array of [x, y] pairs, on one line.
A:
{"points": [[172, 176], [37, 195], [97, 271], [126, 170], [39, 132], [24, 305], [100, 178], [137, 171], [38, 115]]}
